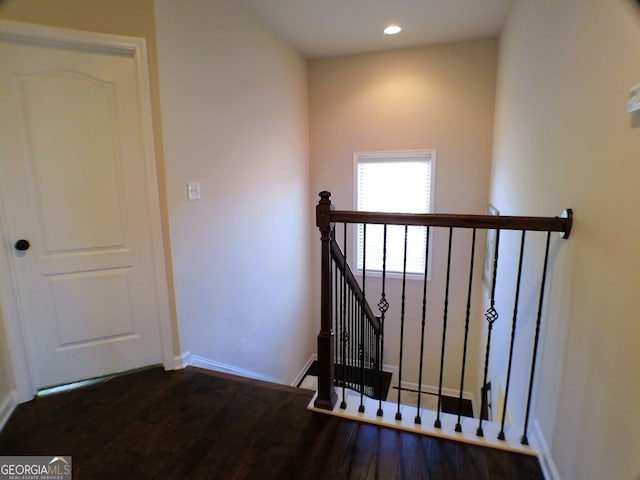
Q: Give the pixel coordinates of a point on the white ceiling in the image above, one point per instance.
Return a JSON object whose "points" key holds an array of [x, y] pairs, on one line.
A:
{"points": [[325, 28]]}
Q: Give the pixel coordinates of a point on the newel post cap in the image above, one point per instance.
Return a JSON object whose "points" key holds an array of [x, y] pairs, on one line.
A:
{"points": [[323, 211], [325, 197]]}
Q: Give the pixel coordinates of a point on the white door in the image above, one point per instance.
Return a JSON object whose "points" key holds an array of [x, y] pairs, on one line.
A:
{"points": [[73, 183]]}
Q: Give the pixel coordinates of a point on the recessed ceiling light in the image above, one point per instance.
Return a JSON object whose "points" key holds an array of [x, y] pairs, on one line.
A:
{"points": [[392, 30]]}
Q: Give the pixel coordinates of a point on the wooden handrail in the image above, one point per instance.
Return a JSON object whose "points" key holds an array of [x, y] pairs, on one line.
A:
{"points": [[353, 285], [543, 224]]}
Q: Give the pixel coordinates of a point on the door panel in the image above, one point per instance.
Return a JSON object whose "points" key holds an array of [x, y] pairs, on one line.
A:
{"points": [[71, 127], [92, 306], [73, 181]]}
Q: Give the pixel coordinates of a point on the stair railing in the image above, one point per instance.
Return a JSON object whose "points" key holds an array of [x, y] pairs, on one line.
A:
{"points": [[357, 353], [359, 346]]}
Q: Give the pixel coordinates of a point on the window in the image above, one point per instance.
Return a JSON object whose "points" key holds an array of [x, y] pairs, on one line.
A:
{"points": [[398, 181]]}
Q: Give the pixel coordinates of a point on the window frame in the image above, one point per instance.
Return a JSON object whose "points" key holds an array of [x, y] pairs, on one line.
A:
{"points": [[428, 155]]}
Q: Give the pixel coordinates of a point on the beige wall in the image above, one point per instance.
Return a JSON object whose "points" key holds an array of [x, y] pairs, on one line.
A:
{"points": [[438, 97], [564, 139], [234, 106]]}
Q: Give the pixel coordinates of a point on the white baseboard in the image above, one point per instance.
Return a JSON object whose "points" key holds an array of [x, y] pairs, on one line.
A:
{"points": [[540, 445], [208, 364], [301, 373], [181, 361], [7, 406]]}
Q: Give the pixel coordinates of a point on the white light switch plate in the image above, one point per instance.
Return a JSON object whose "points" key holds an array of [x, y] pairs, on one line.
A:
{"points": [[193, 190]]}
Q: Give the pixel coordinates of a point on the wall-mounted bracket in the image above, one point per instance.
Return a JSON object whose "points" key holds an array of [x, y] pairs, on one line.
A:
{"points": [[568, 214]]}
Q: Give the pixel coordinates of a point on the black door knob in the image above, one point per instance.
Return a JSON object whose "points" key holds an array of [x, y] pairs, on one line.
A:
{"points": [[22, 245]]}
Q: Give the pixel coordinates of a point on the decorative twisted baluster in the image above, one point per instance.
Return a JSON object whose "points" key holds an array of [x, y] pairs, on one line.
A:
{"points": [[491, 315], [438, 423], [466, 330], [364, 302], [418, 420], [335, 299], [513, 336], [404, 283], [524, 439], [343, 332], [383, 306]]}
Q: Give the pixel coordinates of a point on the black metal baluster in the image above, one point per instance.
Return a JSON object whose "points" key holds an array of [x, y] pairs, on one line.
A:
{"points": [[383, 306], [371, 361], [524, 440], [368, 357], [348, 339], [344, 336], [364, 302], [343, 333], [349, 342], [340, 330], [333, 268], [336, 306], [378, 371], [356, 372], [355, 346], [339, 300], [438, 423], [365, 351], [353, 339], [404, 283], [466, 329], [418, 420], [491, 315], [513, 336]]}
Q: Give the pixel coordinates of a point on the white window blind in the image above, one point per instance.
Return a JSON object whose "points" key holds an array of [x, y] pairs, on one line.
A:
{"points": [[399, 182]]}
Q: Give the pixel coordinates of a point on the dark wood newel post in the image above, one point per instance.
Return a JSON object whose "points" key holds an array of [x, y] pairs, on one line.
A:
{"points": [[327, 397]]}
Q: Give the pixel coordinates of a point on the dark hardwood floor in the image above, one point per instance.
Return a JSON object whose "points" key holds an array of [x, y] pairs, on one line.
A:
{"points": [[202, 425]]}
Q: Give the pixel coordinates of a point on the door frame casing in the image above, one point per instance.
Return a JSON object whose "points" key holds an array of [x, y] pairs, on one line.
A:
{"points": [[10, 314]]}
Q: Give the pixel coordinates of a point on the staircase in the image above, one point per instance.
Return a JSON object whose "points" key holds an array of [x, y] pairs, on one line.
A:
{"points": [[354, 343]]}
